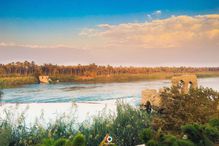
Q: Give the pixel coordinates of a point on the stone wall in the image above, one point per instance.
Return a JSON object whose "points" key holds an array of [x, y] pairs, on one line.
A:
{"points": [[151, 95], [185, 82]]}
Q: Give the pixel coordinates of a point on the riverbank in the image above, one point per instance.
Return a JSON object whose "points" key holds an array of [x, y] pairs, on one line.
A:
{"points": [[16, 81]]}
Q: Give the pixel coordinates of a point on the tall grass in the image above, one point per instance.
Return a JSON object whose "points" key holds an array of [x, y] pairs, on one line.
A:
{"points": [[124, 126], [8, 82]]}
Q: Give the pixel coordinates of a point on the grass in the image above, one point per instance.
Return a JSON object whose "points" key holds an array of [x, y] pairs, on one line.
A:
{"points": [[14, 81], [124, 126], [129, 77], [8, 82]]}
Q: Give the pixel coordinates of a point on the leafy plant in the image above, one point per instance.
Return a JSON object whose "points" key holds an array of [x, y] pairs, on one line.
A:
{"points": [[79, 140], [147, 134], [61, 142], [152, 143], [198, 106], [197, 135], [5, 136]]}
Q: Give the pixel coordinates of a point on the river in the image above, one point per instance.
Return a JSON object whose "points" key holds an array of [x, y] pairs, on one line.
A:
{"points": [[55, 99]]}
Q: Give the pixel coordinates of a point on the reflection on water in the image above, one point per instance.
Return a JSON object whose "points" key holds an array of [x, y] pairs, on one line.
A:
{"points": [[67, 92]]}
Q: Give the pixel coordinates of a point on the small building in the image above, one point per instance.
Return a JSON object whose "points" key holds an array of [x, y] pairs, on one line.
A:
{"points": [[44, 79], [184, 83], [152, 96]]}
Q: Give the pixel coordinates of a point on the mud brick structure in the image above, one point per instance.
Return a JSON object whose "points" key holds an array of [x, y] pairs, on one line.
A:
{"points": [[184, 83]]}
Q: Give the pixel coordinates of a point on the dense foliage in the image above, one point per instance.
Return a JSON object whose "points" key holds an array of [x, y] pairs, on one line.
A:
{"points": [[30, 68], [124, 126], [190, 135], [19, 73], [197, 106]]}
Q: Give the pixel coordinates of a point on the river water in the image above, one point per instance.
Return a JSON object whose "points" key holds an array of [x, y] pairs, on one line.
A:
{"points": [[89, 98]]}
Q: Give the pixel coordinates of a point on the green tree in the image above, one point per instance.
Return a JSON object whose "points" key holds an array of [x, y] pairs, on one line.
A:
{"points": [[198, 106]]}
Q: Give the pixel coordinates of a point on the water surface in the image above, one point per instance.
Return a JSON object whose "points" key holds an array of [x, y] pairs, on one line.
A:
{"points": [[68, 92]]}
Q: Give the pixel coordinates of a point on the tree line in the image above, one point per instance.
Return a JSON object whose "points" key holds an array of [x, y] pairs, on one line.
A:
{"points": [[31, 68]]}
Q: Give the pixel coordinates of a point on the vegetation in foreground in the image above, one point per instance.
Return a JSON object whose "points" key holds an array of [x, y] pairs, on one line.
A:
{"points": [[183, 120], [20, 73]]}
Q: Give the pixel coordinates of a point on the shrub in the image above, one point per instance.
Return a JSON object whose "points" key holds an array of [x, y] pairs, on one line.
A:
{"points": [[169, 140], [48, 142], [5, 136], [152, 143], [197, 135], [182, 142], [125, 127], [128, 125], [211, 132], [198, 106], [214, 123], [146, 135], [60, 142], [79, 140]]}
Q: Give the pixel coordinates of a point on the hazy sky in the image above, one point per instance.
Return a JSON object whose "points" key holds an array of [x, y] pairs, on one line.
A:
{"points": [[116, 32]]}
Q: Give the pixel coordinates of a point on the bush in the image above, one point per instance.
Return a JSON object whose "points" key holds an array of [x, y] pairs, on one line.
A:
{"points": [[146, 135], [198, 106], [125, 127], [169, 140], [5, 136], [197, 135], [79, 140], [214, 123], [211, 132], [152, 143], [48, 142], [128, 125], [60, 142], [182, 142]]}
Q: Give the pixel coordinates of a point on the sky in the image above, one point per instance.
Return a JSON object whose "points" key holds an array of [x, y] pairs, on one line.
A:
{"points": [[115, 32]]}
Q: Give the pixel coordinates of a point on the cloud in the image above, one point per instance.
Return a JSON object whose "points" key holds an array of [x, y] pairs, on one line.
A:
{"points": [[33, 46], [158, 12], [173, 32]]}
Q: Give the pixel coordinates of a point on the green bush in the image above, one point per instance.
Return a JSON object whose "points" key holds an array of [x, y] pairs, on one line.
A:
{"points": [[48, 142], [197, 135], [152, 143], [60, 142], [211, 132], [197, 106], [5, 136], [125, 127], [169, 140], [128, 125], [146, 135], [79, 140], [214, 123], [182, 142], [193, 132]]}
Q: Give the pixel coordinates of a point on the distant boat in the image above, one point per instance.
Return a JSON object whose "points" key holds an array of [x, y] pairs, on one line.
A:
{"points": [[44, 79]]}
